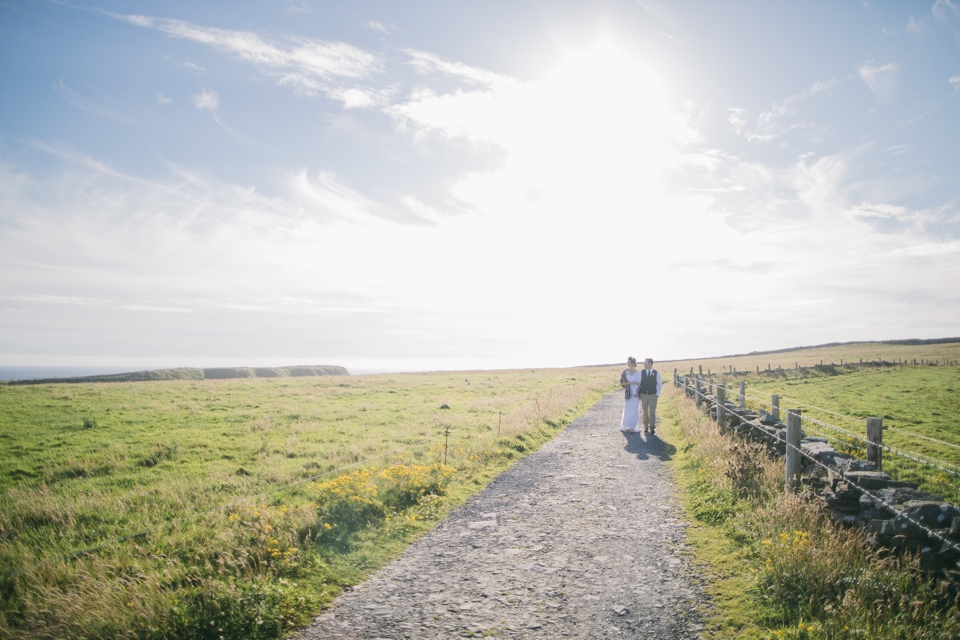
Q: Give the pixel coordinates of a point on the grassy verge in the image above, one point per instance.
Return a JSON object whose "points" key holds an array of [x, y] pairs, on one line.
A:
{"points": [[239, 508], [782, 569]]}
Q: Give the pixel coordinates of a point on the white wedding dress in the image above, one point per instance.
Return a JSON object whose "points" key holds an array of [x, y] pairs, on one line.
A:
{"points": [[631, 407]]}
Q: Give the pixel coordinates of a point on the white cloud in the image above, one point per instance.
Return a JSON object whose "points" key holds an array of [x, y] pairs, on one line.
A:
{"points": [[303, 7], [162, 99], [597, 175], [309, 65], [947, 12], [360, 98], [424, 63], [915, 26], [195, 67], [955, 81], [153, 309], [944, 12], [206, 100], [54, 299], [376, 26], [770, 124], [328, 196], [879, 79]]}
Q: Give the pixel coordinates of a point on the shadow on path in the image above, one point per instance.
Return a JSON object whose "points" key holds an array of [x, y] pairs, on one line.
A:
{"points": [[652, 446]]}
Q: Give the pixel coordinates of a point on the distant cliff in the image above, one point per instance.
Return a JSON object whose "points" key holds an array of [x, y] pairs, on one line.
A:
{"points": [[187, 373]]}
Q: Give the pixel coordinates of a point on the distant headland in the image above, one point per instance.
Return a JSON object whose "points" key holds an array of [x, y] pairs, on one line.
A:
{"points": [[190, 373]]}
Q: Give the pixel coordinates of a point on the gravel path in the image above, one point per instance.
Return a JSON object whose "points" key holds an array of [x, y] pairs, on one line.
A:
{"points": [[580, 539]]}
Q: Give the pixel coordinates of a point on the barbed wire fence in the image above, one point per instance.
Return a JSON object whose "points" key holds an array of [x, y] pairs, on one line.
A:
{"points": [[703, 394], [933, 474]]}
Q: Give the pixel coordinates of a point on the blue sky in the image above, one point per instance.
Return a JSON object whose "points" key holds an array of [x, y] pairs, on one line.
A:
{"points": [[436, 185]]}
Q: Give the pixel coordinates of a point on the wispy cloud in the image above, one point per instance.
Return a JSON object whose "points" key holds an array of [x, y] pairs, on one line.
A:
{"points": [[162, 99], [376, 26], [53, 299], [880, 79], [425, 62], [153, 309], [942, 12], [947, 13], [770, 124], [310, 65], [88, 105], [303, 7], [209, 101], [195, 67], [955, 81], [328, 196], [86, 162]]}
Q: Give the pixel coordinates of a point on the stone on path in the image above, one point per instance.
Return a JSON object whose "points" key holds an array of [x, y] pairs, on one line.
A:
{"points": [[580, 539]]}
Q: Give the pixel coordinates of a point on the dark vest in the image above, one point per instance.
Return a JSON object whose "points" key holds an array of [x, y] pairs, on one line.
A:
{"points": [[648, 382]]}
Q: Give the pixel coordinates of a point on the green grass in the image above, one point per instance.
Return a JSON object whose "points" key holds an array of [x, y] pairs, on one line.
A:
{"points": [[778, 566], [919, 405], [911, 400], [199, 468]]}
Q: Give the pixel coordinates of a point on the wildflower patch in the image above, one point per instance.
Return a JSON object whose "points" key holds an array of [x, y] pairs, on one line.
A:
{"points": [[353, 501]]}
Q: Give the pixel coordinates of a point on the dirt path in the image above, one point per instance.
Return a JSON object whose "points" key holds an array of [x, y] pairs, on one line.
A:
{"points": [[578, 540]]}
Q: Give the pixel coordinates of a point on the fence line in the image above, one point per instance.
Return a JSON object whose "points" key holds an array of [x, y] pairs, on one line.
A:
{"points": [[912, 456], [918, 457], [854, 419], [877, 499]]}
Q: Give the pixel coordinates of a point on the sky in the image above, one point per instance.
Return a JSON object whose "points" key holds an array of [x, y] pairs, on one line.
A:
{"points": [[399, 186]]}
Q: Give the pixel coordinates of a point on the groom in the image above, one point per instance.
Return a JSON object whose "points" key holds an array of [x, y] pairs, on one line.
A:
{"points": [[651, 384]]}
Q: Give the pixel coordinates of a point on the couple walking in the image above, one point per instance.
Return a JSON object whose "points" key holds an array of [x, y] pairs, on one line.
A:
{"points": [[641, 388]]}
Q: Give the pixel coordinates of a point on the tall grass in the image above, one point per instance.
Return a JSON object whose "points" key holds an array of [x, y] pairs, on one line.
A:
{"points": [[221, 549], [804, 575]]}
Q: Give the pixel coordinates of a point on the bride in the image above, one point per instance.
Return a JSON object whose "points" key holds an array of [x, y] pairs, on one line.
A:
{"points": [[630, 381]]}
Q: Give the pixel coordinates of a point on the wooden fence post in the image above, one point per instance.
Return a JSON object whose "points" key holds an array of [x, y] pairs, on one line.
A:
{"points": [[743, 394], [875, 442], [721, 410], [793, 450], [775, 406], [710, 382], [697, 394]]}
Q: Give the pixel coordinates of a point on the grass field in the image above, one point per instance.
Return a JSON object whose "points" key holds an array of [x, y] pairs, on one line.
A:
{"points": [[200, 471], [913, 401]]}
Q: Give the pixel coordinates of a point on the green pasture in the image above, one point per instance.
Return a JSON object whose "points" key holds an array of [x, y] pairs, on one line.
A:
{"points": [[920, 405], [197, 473]]}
